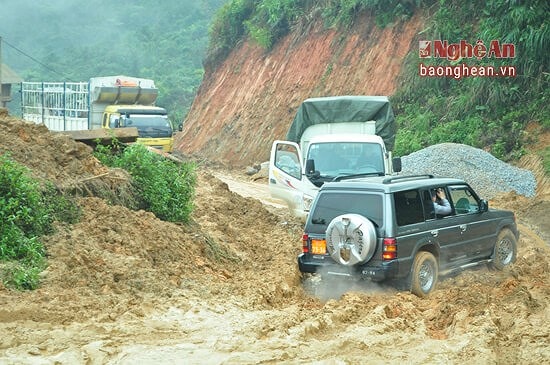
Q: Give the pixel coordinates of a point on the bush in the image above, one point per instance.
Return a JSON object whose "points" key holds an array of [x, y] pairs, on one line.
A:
{"points": [[345, 12], [166, 188], [23, 275], [21, 202], [27, 211]]}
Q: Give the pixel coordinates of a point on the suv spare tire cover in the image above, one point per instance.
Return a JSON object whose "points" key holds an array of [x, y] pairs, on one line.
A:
{"points": [[351, 239]]}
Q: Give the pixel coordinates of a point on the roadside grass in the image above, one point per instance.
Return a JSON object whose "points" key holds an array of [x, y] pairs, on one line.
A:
{"points": [[546, 160]]}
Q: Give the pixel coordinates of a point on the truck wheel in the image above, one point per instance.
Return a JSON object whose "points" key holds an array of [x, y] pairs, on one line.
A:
{"points": [[424, 274], [351, 239], [505, 249]]}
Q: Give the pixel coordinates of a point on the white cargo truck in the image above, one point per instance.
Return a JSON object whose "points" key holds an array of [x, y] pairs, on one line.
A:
{"points": [[102, 102], [332, 138]]}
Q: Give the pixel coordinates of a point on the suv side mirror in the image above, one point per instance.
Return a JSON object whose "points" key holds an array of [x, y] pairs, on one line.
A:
{"points": [[483, 206], [396, 162]]}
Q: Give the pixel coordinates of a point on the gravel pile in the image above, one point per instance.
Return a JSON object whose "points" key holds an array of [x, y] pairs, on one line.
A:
{"points": [[484, 172]]}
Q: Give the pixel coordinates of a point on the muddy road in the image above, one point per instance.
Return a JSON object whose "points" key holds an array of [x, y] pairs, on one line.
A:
{"points": [[123, 287]]}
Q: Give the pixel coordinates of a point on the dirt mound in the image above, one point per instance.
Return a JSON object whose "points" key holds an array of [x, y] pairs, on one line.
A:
{"points": [[52, 156], [57, 158], [116, 250]]}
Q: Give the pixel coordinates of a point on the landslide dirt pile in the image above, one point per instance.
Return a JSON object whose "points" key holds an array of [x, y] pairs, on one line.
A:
{"points": [[50, 156], [114, 252], [55, 157]]}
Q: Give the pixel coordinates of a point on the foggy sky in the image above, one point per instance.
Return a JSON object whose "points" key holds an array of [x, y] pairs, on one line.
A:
{"points": [[39, 27]]}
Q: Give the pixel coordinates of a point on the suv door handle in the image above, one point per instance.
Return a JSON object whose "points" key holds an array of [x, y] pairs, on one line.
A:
{"points": [[463, 228], [435, 233]]}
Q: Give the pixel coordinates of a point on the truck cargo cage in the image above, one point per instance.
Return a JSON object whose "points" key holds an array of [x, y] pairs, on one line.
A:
{"points": [[61, 106]]}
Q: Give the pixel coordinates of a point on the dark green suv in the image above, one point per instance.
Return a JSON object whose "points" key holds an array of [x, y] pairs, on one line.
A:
{"points": [[404, 227]]}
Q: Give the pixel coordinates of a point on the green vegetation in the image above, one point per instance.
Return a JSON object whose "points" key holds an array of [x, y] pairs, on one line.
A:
{"points": [[228, 28], [479, 111], [545, 154], [267, 21], [165, 187], [27, 211], [344, 13]]}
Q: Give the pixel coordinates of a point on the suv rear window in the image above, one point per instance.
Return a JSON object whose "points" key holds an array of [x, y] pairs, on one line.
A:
{"points": [[330, 206]]}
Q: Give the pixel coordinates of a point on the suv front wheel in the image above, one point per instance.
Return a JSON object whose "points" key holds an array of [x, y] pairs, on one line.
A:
{"points": [[424, 274]]}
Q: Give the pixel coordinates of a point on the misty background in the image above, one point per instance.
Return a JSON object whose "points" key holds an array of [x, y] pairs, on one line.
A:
{"points": [[74, 40]]}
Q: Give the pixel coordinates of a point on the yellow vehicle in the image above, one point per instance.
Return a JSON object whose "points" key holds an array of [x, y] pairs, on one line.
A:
{"points": [[152, 123], [102, 102]]}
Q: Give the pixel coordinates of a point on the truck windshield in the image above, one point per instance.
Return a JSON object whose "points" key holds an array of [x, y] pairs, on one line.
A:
{"points": [[149, 126], [346, 158]]}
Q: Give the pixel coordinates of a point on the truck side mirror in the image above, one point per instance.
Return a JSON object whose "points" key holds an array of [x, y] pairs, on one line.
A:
{"points": [[310, 170], [310, 166], [396, 162]]}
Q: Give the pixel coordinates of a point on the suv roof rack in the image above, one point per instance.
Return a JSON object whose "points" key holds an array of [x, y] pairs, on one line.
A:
{"points": [[345, 177], [389, 180]]}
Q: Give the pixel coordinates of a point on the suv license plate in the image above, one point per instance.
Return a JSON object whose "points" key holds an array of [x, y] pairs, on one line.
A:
{"points": [[318, 247]]}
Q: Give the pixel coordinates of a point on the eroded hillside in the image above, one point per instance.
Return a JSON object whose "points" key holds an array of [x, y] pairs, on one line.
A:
{"points": [[251, 98]]}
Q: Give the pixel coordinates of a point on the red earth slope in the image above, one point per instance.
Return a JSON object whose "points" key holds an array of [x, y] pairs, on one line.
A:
{"points": [[251, 98]]}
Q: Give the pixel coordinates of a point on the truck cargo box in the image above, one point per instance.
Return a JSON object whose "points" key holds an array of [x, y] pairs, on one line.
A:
{"points": [[123, 90], [345, 109]]}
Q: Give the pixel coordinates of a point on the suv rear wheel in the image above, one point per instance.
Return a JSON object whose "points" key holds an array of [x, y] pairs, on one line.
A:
{"points": [[424, 274], [505, 249]]}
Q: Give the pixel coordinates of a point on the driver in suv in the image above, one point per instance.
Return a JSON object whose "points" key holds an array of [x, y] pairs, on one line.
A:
{"points": [[441, 204]]}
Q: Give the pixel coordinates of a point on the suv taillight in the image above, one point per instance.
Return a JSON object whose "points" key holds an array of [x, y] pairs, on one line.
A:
{"points": [[305, 247], [389, 251]]}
